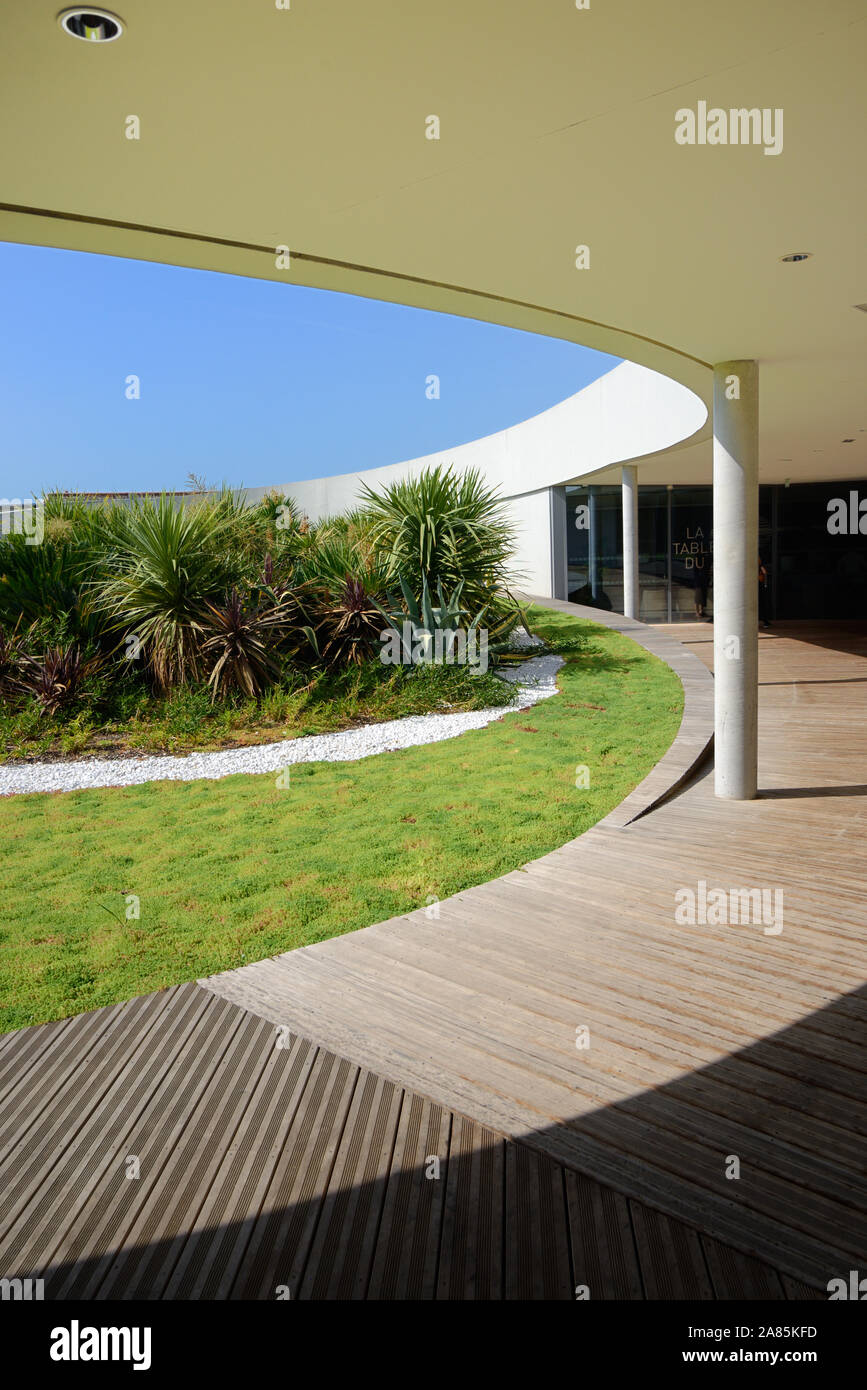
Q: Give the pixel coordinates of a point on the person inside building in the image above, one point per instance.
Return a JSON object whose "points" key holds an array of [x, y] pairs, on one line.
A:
{"points": [[702, 583], [764, 606]]}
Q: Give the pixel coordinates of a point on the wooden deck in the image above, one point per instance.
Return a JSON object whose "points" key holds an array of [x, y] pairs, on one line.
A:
{"points": [[706, 1042], [268, 1167], [304, 1159]]}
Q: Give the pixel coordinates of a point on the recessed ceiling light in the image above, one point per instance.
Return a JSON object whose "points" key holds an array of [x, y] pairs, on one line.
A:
{"points": [[797, 256], [96, 26]]}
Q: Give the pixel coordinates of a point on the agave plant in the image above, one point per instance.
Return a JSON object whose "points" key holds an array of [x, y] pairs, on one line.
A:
{"points": [[242, 644], [58, 678], [421, 620], [443, 527]]}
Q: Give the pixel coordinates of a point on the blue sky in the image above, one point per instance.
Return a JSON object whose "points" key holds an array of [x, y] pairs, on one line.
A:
{"points": [[243, 381]]}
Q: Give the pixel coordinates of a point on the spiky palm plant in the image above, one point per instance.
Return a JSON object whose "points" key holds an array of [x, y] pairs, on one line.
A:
{"points": [[348, 623], [282, 529], [446, 527], [338, 584], [11, 657], [241, 640], [331, 558], [47, 581], [273, 578], [165, 564], [57, 678], [37, 579], [281, 511]]}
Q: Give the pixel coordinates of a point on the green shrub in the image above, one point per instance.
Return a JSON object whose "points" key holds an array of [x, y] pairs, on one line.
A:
{"points": [[186, 709], [59, 677], [165, 564], [240, 640], [443, 527], [121, 606]]}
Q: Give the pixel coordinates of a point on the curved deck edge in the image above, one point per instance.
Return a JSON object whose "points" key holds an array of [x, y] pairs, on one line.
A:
{"points": [[693, 742]]}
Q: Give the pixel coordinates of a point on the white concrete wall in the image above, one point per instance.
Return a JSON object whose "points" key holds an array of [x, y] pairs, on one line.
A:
{"points": [[629, 412], [530, 514]]}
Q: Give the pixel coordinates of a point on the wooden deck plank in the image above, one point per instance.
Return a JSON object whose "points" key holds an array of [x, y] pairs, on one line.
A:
{"points": [[681, 1128], [188, 1166], [342, 1252], [258, 1159], [406, 1257], [605, 1260], [416, 1047], [672, 1260], [737, 1276], [471, 1251], [283, 1232], [49, 1063], [708, 1040], [90, 1227], [538, 1255], [46, 1170]]}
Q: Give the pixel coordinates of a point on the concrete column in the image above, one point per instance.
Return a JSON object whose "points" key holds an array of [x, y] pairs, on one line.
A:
{"points": [[558, 542], [629, 486], [593, 543], [735, 577]]}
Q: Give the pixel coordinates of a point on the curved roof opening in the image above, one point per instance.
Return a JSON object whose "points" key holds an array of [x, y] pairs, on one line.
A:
{"points": [[156, 372]]}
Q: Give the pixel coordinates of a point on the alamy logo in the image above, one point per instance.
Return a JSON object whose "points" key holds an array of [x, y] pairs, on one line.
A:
{"points": [[77, 1343], [721, 907], [847, 518], [22, 1290], [25, 519], [855, 1289], [737, 126], [418, 646]]}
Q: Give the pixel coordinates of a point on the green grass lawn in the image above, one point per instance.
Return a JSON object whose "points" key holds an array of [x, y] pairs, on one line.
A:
{"points": [[230, 871]]}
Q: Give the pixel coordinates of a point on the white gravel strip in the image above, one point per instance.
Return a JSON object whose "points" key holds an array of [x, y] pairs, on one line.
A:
{"points": [[535, 680]]}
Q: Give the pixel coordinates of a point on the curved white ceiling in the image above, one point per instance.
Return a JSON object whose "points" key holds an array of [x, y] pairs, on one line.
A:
{"points": [[306, 127]]}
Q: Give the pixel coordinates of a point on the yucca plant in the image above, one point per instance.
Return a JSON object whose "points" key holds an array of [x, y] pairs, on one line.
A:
{"points": [[443, 527], [274, 578], [280, 511], [58, 678], [38, 580], [165, 564], [339, 582], [330, 558], [282, 530], [48, 583], [348, 623], [242, 644], [11, 657]]}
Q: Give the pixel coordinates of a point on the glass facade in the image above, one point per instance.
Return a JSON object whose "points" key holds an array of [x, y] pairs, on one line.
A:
{"points": [[810, 541]]}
